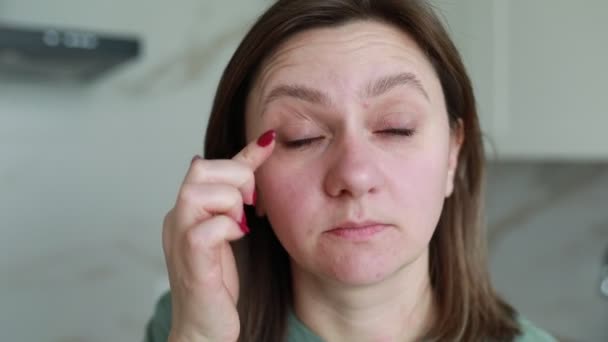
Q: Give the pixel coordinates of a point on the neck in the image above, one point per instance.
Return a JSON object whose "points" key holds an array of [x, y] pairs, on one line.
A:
{"points": [[398, 308]]}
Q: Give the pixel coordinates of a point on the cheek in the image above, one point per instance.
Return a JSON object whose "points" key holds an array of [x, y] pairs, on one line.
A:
{"points": [[288, 197], [427, 176], [419, 186]]}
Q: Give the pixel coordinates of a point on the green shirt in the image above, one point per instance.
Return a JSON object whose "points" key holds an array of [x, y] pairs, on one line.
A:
{"points": [[158, 327]]}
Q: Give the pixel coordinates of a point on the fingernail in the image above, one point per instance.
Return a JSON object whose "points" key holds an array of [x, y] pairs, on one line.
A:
{"points": [[255, 197], [266, 138], [195, 158], [243, 224]]}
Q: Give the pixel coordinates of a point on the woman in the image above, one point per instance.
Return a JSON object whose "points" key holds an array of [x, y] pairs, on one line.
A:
{"points": [[349, 129]]}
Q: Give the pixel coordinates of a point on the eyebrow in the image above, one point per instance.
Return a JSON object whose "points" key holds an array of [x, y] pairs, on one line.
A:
{"points": [[384, 84], [299, 92], [373, 89]]}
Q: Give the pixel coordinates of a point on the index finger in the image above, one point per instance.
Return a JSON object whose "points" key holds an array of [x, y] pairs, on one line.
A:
{"points": [[255, 153]]}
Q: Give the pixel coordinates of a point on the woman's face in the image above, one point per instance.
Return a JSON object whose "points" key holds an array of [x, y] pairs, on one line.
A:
{"points": [[364, 156]]}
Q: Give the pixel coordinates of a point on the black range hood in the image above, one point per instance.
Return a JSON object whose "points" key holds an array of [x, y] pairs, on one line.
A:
{"points": [[54, 53]]}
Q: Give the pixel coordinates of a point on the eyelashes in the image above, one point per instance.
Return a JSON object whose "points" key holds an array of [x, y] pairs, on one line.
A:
{"points": [[389, 133], [294, 144], [406, 132]]}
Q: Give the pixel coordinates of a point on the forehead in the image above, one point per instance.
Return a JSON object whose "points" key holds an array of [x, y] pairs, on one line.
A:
{"points": [[343, 57]]}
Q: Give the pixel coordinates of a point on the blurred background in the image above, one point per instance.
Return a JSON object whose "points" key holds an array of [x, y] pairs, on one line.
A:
{"points": [[94, 144]]}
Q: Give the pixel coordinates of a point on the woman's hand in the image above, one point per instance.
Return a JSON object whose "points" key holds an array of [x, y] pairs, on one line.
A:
{"points": [[207, 215]]}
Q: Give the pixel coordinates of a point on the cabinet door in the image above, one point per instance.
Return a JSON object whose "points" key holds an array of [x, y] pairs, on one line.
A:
{"points": [[540, 70]]}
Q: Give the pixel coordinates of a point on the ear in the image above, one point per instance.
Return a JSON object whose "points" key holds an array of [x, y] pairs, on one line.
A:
{"points": [[456, 141]]}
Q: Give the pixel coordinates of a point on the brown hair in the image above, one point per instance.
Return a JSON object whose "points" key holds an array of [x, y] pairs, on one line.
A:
{"points": [[468, 309]]}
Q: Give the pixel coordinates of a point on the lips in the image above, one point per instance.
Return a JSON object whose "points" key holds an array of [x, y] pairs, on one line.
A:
{"points": [[358, 230]]}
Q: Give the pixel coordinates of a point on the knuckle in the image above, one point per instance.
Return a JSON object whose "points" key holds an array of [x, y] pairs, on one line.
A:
{"points": [[247, 155], [167, 228], [167, 220], [249, 177], [224, 220], [202, 239], [194, 241], [234, 196], [187, 195], [197, 160], [244, 173], [199, 166]]}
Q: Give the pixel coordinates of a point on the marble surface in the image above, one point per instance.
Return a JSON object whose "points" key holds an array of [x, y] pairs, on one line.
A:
{"points": [[87, 171], [548, 232]]}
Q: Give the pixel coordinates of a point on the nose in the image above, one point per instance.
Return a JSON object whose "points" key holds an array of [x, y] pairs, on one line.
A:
{"points": [[353, 170]]}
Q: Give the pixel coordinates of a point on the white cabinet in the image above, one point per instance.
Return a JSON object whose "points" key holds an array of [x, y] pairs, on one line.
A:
{"points": [[540, 72]]}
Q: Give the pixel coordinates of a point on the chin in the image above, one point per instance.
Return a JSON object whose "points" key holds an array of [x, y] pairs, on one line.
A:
{"points": [[361, 266], [362, 270]]}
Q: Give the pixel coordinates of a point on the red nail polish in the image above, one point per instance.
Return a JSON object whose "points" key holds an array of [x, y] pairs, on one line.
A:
{"points": [[243, 224], [267, 138]]}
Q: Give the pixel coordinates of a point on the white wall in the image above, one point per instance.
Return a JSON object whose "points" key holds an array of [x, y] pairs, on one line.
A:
{"points": [[539, 73], [88, 171]]}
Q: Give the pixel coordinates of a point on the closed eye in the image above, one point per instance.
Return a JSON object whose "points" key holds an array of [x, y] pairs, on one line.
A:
{"points": [[398, 131], [301, 142]]}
